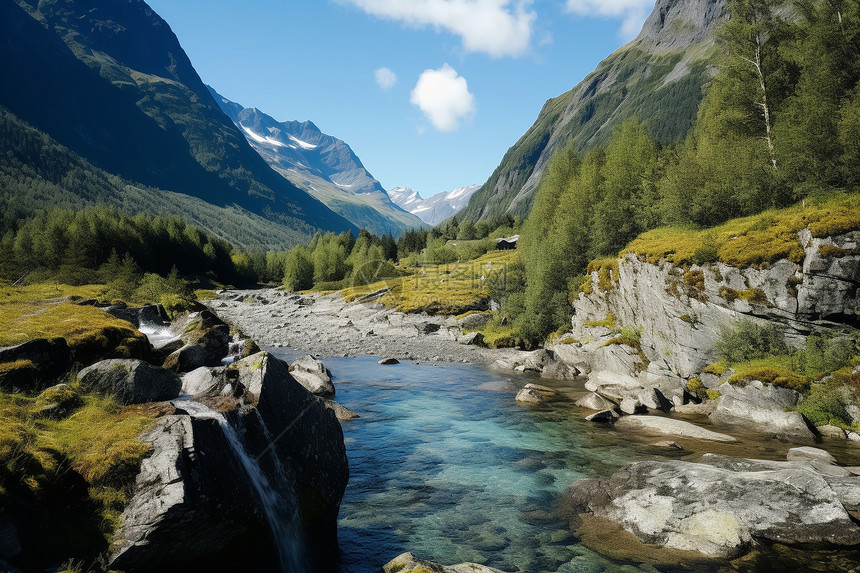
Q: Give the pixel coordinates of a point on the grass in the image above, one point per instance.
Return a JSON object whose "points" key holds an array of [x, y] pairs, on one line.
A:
{"points": [[43, 311], [775, 370], [755, 241], [447, 289], [99, 441]]}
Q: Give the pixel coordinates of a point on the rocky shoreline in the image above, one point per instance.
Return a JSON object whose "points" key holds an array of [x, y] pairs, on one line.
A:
{"points": [[328, 326]]}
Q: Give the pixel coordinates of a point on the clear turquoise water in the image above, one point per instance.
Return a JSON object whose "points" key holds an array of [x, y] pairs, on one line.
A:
{"points": [[453, 472]]}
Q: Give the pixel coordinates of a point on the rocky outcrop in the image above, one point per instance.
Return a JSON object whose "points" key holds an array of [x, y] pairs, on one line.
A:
{"points": [[313, 375], [34, 364], [762, 408], [130, 381], [206, 342], [195, 496], [408, 563], [679, 312], [722, 507]]}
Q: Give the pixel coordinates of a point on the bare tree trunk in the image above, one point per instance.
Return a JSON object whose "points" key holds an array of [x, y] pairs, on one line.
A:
{"points": [[765, 108]]}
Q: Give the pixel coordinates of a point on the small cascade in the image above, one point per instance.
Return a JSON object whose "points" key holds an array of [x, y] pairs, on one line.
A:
{"points": [[158, 335], [283, 524], [233, 351]]}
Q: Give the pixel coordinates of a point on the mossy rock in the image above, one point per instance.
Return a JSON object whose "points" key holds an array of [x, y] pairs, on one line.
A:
{"points": [[58, 401]]}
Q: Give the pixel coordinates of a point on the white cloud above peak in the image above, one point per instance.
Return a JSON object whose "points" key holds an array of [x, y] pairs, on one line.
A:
{"points": [[385, 78], [631, 12], [495, 27], [444, 98]]}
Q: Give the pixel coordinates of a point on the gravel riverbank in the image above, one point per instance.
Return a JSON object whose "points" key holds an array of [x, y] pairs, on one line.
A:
{"points": [[328, 326]]}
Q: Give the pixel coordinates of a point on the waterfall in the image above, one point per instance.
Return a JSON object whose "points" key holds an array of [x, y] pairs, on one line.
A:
{"points": [[157, 335], [233, 350], [283, 524]]}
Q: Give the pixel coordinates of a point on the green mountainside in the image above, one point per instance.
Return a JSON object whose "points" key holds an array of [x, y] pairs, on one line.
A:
{"points": [[109, 83], [658, 78]]}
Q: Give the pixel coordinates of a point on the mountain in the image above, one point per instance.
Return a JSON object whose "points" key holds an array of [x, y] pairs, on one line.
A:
{"points": [[108, 87], [435, 209], [658, 77], [322, 165]]}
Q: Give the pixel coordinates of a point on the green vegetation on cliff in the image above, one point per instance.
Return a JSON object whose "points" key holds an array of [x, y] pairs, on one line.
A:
{"points": [[752, 153]]}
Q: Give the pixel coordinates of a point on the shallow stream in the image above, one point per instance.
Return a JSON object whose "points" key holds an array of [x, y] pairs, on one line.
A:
{"points": [[445, 464]]}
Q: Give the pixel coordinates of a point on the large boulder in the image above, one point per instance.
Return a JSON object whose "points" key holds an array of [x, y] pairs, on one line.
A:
{"points": [[670, 427], [193, 507], [130, 381], [719, 512], [34, 365], [185, 495], [308, 439], [313, 375], [762, 408]]}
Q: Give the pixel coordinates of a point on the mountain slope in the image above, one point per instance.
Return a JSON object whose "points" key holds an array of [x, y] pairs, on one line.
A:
{"points": [[109, 82], [322, 165], [435, 209], [658, 77]]}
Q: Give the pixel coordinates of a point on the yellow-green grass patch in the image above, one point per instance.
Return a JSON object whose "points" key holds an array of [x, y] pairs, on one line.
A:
{"points": [[754, 241]]}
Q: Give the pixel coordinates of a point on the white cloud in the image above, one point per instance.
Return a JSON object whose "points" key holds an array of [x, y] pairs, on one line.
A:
{"points": [[444, 98], [385, 78], [632, 12], [495, 27]]}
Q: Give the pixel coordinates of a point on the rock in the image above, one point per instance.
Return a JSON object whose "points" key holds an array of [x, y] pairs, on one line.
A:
{"points": [[59, 401], [408, 563], [667, 445], [761, 408], [205, 380], [34, 364], [389, 361], [853, 436], [536, 394], [193, 505], [342, 412], [595, 402], [472, 339], [604, 417], [671, 427], [206, 338], [474, 320], [313, 375], [631, 406], [153, 314], [831, 432], [810, 454], [603, 381], [714, 511], [130, 381], [653, 399], [308, 439], [558, 370]]}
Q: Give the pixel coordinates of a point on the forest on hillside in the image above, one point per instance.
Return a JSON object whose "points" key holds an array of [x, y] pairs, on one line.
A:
{"points": [[780, 122]]}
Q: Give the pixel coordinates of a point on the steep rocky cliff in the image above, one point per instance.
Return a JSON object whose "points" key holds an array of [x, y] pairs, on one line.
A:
{"points": [[681, 311], [658, 77]]}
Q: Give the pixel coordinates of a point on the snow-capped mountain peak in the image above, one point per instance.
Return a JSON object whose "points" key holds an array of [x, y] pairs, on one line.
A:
{"points": [[435, 209]]}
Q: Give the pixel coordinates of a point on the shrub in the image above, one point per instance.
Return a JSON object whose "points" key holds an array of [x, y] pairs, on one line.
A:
{"points": [[746, 340], [771, 374], [826, 405]]}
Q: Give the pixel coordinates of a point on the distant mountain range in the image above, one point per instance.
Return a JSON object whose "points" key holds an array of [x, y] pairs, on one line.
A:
{"points": [[323, 166], [435, 209], [99, 104], [658, 77]]}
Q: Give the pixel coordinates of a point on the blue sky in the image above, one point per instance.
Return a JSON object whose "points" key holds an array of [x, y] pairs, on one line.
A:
{"points": [[471, 75]]}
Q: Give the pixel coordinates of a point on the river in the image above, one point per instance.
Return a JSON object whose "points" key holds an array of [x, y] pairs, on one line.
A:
{"points": [[445, 464]]}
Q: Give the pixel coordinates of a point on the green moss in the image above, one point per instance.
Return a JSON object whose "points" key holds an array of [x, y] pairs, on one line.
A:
{"points": [[712, 394], [397, 567], [695, 279], [769, 371], [688, 319], [753, 295], [729, 294], [717, 368], [608, 322]]}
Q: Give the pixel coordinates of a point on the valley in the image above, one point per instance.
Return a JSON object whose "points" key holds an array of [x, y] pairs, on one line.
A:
{"points": [[225, 345]]}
